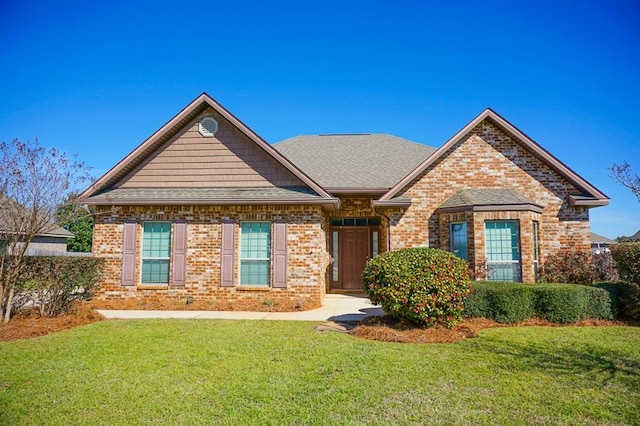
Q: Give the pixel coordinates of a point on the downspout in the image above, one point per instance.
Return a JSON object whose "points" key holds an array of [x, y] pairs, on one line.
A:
{"points": [[388, 227]]}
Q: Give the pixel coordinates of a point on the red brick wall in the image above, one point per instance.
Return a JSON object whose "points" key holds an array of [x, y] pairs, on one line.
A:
{"points": [[306, 253], [489, 158]]}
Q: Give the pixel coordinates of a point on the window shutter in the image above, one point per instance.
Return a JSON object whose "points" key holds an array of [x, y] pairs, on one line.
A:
{"points": [[129, 254], [179, 257], [227, 254], [279, 255]]}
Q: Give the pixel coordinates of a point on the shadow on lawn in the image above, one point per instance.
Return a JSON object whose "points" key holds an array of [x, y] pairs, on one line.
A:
{"points": [[356, 317], [606, 367]]}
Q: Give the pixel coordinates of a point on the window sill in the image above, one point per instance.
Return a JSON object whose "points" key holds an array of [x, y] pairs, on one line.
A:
{"points": [[153, 286], [253, 288]]}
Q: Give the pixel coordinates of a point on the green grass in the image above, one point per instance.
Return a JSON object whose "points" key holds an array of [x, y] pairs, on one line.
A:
{"points": [[251, 372]]}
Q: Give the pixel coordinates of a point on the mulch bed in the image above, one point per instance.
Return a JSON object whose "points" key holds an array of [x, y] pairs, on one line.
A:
{"points": [[386, 329], [29, 324]]}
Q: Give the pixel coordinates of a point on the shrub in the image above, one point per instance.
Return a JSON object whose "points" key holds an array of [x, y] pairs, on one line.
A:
{"points": [[604, 267], [629, 300], [479, 303], [502, 302], [568, 266], [54, 284], [625, 299], [423, 285], [627, 258], [515, 302]]}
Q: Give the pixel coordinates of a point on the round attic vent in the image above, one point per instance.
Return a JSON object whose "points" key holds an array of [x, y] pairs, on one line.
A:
{"points": [[208, 127]]}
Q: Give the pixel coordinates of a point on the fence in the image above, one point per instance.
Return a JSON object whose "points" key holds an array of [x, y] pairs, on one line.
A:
{"points": [[34, 251]]}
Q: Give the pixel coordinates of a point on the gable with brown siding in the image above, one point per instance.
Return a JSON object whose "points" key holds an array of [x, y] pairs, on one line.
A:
{"points": [[191, 160]]}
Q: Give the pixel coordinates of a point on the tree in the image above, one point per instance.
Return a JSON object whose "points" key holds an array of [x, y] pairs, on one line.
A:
{"points": [[34, 182], [623, 175], [77, 220]]}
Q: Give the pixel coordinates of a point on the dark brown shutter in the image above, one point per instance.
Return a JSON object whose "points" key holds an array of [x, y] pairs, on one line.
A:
{"points": [[179, 257], [279, 255], [129, 254], [227, 254]]}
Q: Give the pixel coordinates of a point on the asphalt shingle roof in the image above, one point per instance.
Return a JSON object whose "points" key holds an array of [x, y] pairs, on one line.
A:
{"points": [[597, 238], [359, 161], [10, 211], [205, 194]]}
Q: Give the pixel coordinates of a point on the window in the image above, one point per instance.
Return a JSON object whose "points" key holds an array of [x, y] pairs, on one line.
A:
{"points": [[156, 249], [374, 244], [502, 242], [355, 222], [255, 253], [334, 245], [535, 251], [458, 237]]}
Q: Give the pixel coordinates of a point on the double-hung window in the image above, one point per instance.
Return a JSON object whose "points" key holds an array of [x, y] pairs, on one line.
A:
{"points": [[156, 252], [255, 253]]}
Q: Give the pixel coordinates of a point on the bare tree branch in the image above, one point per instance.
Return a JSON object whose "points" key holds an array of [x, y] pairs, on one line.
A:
{"points": [[34, 181], [623, 175]]}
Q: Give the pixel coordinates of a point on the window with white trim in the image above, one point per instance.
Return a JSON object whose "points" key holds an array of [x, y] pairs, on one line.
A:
{"points": [[255, 253], [156, 252]]}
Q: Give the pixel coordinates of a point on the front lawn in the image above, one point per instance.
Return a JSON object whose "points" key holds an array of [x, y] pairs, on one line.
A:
{"points": [[268, 372]]}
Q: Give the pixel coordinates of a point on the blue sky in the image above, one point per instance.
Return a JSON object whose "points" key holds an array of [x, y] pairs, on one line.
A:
{"points": [[98, 78]]}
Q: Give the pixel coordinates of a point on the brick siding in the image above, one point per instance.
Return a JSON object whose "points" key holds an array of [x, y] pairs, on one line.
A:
{"points": [[307, 257], [489, 158]]}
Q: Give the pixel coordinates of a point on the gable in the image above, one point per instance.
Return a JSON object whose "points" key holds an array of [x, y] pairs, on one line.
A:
{"points": [[488, 158], [179, 165], [490, 145], [226, 160]]}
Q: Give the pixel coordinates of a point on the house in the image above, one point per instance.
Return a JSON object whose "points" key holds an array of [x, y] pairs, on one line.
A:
{"points": [[600, 244], [206, 209], [51, 240]]}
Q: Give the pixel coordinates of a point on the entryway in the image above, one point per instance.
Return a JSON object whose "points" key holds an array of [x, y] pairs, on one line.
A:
{"points": [[353, 243]]}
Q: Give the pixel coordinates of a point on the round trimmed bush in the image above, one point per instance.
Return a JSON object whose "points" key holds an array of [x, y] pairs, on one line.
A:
{"points": [[423, 285]]}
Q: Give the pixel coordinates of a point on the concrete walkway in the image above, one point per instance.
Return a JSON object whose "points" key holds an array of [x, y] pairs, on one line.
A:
{"points": [[336, 307]]}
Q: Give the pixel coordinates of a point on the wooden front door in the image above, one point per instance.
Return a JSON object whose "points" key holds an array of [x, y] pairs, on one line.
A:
{"points": [[354, 250]]}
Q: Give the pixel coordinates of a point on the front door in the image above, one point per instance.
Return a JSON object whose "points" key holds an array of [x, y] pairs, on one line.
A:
{"points": [[355, 247], [353, 243]]}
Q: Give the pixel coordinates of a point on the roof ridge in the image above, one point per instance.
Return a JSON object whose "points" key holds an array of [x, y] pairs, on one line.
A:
{"points": [[346, 134]]}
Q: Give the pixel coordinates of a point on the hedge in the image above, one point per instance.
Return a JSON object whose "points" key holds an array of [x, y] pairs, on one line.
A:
{"points": [[54, 284], [515, 302], [625, 299]]}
